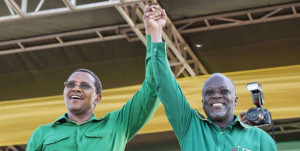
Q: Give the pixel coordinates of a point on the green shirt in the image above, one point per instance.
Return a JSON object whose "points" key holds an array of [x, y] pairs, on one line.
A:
{"points": [[110, 133], [193, 131]]}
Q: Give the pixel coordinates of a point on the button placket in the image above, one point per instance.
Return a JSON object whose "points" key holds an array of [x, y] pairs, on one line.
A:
{"points": [[221, 140], [79, 134]]}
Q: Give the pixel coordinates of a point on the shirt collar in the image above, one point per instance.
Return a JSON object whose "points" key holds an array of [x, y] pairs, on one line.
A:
{"points": [[61, 119], [64, 118], [236, 121], [243, 124]]}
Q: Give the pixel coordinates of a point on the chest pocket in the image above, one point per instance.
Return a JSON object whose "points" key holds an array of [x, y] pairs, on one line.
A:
{"points": [[54, 143], [99, 139], [101, 134]]}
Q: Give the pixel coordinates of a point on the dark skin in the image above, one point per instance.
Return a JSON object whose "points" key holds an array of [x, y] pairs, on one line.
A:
{"points": [[219, 107], [81, 110]]}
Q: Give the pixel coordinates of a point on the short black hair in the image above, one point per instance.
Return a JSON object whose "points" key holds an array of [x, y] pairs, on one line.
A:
{"points": [[97, 83]]}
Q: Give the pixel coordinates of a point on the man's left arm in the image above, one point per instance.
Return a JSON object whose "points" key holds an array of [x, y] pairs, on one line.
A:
{"points": [[267, 143]]}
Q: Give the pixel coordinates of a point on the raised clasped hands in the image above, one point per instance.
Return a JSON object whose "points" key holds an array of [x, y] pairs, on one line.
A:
{"points": [[154, 19]]}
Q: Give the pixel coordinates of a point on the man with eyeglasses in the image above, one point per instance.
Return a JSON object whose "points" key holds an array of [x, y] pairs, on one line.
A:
{"points": [[80, 130], [221, 130]]}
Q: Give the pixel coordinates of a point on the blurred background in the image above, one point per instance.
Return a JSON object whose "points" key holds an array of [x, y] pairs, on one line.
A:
{"points": [[43, 41]]}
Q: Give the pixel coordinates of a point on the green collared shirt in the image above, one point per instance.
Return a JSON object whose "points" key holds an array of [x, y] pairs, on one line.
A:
{"points": [[110, 133], [193, 131]]}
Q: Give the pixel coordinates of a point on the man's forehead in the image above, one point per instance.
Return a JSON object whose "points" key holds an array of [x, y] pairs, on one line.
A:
{"points": [[81, 77], [218, 81]]}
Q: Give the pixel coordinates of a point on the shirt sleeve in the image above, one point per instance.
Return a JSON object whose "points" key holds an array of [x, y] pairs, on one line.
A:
{"points": [[169, 92], [34, 142], [267, 142], [141, 107]]}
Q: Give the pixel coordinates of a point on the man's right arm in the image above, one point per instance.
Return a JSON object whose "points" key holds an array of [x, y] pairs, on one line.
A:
{"points": [[169, 92]]}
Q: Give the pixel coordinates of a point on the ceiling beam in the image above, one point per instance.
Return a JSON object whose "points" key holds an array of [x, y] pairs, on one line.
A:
{"points": [[131, 20], [9, 7], [69, 4], [38, 7], [70, 7], [125, 14], [16, 7], [181, 50], [183, 25], [235, 19], [20, 43]]}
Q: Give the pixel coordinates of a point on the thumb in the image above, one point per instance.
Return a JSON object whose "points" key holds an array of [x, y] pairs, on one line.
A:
{"points": [[164, 14]]}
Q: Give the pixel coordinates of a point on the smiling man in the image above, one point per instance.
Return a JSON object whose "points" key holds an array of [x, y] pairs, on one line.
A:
{"points": [[221, 130], [80, 130], [220, 99]]}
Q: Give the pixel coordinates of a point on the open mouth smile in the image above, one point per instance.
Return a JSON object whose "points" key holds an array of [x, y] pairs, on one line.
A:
{"points": [[76, 97], [217, 104]]}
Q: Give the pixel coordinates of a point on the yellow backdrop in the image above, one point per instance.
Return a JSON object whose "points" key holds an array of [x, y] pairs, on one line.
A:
{"points": [[281, 87]]}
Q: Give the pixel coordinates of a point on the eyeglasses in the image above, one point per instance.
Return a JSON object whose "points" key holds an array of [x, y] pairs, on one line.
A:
{"points": [[211, 92], [82, 85]]}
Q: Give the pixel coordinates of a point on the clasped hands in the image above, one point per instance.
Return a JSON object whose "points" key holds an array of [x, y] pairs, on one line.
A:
{"points": [[154, 18]]}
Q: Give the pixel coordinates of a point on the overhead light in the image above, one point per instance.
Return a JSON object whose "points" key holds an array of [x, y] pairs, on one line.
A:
{"points": [[199, 45]]}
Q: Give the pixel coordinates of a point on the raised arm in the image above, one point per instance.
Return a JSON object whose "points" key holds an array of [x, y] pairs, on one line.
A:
{"points": [[169, 92], [141, 107]]}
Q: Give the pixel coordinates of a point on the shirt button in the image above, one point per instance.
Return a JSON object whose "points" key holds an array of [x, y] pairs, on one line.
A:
{"points": [[154, 49], [221, 132], [219, 149]]}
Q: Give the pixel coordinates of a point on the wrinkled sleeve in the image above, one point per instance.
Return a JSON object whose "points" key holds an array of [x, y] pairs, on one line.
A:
{"points": [[169, 92], [141, 107]]}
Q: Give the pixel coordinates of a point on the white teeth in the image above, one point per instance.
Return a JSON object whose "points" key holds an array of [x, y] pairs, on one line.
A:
{"points": [[75, 97], [217, 104]]}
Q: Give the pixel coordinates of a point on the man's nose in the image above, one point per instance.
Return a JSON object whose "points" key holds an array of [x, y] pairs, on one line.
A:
{"points": [[76, 88]]}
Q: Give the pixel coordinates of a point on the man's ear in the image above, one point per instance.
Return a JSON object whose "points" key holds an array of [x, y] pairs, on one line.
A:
{"points": [[97, 99], [202, 104]]}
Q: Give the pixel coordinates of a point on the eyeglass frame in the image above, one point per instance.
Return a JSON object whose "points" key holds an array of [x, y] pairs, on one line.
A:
{"points": [[79, 84], [219, 91]]}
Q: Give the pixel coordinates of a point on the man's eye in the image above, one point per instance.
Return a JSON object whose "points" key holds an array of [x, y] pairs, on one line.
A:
{"points": [[224, 91], [70, 85], [85, 86], [209, 92]]}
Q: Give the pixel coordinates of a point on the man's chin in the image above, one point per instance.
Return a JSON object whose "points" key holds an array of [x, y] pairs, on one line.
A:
{"points": [[217, 116], [74, 108]]}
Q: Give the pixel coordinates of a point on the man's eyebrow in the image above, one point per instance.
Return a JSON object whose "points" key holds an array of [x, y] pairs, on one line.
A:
{"points": [[224, 86], [85, 82]]}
